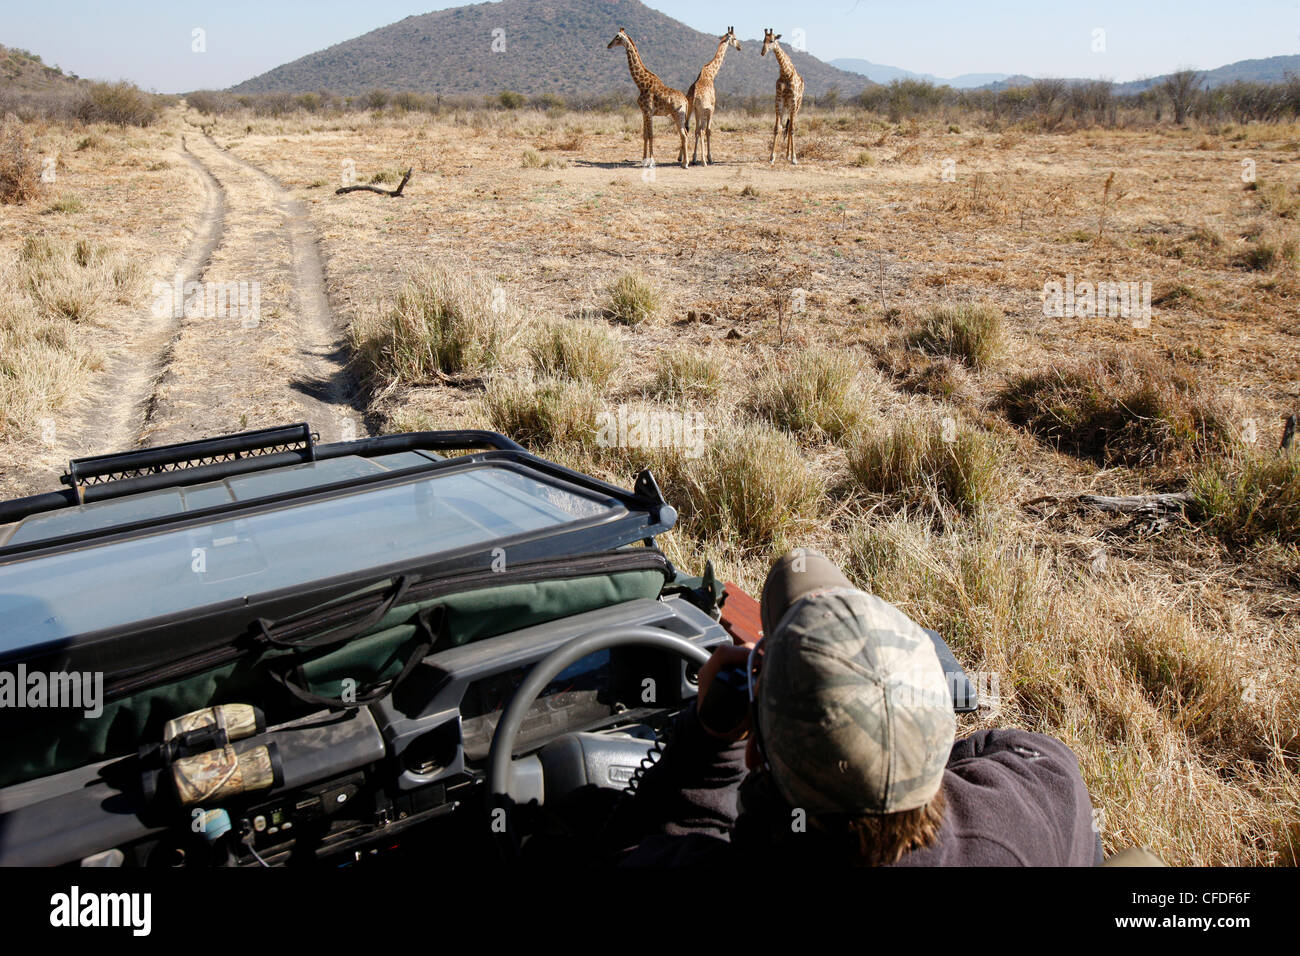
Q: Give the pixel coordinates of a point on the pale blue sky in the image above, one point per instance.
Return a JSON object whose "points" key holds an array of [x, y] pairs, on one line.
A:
{"points": [[148, 41]]}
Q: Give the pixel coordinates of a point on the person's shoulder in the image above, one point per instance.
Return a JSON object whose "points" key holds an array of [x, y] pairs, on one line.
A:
{"points": [[1012, 743]]}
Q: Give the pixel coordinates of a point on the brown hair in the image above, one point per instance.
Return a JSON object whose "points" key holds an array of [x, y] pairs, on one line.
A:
{"points": [[881, 839]]}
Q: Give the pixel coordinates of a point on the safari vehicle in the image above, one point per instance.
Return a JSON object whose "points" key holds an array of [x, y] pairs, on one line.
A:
{"points": [[257, 650]]}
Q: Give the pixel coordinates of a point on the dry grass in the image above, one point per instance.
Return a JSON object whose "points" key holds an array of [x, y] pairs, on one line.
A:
{"points": [[815, 395], [750, 489], [1121, 409], [1251, 498], [970, 332], [633, 299], [922, 462], [1156, 704], [540, 413], [445, 322], [579, 350], [687, 375]]}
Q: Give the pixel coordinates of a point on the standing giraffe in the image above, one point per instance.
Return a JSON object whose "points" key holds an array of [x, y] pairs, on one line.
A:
{"points": [[789, 95], [656, 99], [703, 98]]}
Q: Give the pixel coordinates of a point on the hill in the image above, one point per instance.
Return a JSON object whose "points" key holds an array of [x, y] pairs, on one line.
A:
{"points": [[1275, 69], [551, 46], [880, 73]]}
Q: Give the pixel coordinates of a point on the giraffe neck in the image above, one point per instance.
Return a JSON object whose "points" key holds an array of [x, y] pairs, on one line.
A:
{"points": [[640, 75], [713, 66], [787, 65]]}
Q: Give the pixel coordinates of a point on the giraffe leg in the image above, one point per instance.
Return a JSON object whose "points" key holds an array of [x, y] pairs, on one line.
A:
{"points": [[793, 160], [680, 119], [708, 139], [776, 132], [647, 139], [695, 154]]}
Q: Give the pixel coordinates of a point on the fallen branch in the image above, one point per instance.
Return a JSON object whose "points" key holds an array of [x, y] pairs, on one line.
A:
{"points": [[1135, 504], [375, 189], [1149, 513]]}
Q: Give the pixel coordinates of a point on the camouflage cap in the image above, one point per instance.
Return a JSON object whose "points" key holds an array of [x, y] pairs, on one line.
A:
{"points": [[853, 706]]}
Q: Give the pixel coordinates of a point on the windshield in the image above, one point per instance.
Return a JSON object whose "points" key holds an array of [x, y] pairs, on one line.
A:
{"points": [[106, 585]]}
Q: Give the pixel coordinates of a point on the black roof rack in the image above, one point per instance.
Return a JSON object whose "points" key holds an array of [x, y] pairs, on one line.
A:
{"points": [[122, 466], [102, 477]]}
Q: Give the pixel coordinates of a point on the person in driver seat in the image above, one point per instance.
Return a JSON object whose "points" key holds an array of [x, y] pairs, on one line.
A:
{"points": [[848, 754]]}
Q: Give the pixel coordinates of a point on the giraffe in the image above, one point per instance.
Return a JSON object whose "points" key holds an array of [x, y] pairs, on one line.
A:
{"points": [[789, 95], [703, 98], [656, 99]]}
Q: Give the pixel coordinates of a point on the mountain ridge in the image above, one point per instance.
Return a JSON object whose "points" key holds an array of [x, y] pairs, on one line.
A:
{"points": [[535, 47]]}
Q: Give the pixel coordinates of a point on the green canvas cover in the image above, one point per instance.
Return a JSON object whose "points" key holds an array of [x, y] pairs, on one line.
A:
{"points": [[75, 741]]}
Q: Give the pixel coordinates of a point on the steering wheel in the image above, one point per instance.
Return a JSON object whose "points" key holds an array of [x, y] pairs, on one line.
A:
{"points": [[501, 755]]}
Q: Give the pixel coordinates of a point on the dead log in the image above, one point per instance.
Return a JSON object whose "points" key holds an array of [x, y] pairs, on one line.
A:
{"points": [[1288, 434], [1148, 505], [375, 189], [1148, 514]]}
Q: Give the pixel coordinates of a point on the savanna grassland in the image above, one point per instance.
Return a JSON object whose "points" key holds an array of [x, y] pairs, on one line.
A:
{"points": [[865, 337]]}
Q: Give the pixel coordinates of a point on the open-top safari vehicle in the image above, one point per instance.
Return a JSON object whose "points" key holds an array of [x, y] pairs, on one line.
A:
{"points": [[257, 650]]}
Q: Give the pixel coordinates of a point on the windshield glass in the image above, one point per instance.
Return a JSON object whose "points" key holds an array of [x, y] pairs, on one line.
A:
{"points": [[104, 585]]}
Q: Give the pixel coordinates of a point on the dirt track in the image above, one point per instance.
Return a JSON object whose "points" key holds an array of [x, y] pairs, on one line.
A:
{"points": [[181, 367]]}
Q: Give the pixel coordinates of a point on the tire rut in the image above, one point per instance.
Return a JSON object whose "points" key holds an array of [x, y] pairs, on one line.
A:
{"points": [[287, 364]]}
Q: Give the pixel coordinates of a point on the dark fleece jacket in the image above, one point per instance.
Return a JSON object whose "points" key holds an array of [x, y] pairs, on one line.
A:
{"points": [[1014, 798]]}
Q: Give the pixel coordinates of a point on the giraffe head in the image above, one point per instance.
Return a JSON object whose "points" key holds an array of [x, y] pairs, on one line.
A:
{"points": [[621, 40], [769, 41], [730, 38]]}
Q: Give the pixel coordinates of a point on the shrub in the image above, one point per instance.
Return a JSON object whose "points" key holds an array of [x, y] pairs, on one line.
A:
{"points": [[632, 299], [121, 103], [20, 166]]}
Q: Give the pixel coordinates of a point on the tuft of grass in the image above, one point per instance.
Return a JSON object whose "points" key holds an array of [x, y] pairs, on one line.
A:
{"points": [[531, 160], [750, 488], [1121, 410], [921, 462], [543, 412], [687, 375], [864, 159], [42, 367], [971, 332], [68, 205], [632, 299], [444, 322], [582, 351], [815, 395], [1280, 200], [1248, 499], [73, 282]]}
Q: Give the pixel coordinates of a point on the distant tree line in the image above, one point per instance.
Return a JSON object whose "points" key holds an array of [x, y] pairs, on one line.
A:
{"points": [[1043, 103]]}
